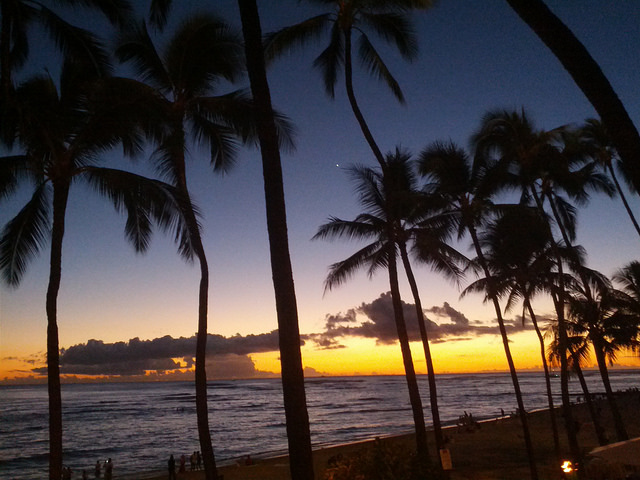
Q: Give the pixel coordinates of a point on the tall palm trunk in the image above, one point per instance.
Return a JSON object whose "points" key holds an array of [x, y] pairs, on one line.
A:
{"points": [[547, 380], [505, 342], [595, 418], [348, 75], [623, 197], [295, 404], [202, 406], [433, 393], [563, 341], [621, 431], [60, 198], [588, 76], [409, 370]]}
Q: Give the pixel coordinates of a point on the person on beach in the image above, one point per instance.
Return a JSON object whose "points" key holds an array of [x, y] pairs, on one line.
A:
{"points": [[198, 460], [108, 469], [97, 471], [193, 461], [183, 462], [171, 464], [66, 473]]}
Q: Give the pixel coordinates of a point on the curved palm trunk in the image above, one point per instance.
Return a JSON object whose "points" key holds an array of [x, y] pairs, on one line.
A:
{"points": [[621, 431], [202, 407], [623, 198], [505, 342], [60, 198], [407, 360], [547, 380], [433, 393], [295, 403], [588, 76], [595, 418], [563, 342], [348, 74]]}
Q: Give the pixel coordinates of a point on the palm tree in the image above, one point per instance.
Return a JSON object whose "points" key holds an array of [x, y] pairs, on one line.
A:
{"points": [[588, 76], [578, 351], [467, 189], [62, 134], [294, 396], [542, 164], [389, 19], [519, 257], [599, 141], [428, 240], [608, 329], [202, 53], [384, 197]]}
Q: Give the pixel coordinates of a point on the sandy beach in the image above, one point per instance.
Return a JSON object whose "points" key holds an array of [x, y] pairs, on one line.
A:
{"points": [[493, 450]]}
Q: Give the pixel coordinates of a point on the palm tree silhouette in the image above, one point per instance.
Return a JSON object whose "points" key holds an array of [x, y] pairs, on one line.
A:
{"points": [[599, 319], [293, 392], [385, 198], [62, 134], [202, 53], [519, 257], [467, 189], [588, 76], [578, 351], [542, 164], [389, 19]]}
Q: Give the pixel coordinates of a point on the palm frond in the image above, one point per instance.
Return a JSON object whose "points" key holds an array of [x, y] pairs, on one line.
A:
{"points": [[24, 236], [351, 230], [331, 60], [372, 61], [145, 201], [159, 13], [136, 48], [393, 28], [12, 169], [288, 38], [76, 43], [340, 272]]}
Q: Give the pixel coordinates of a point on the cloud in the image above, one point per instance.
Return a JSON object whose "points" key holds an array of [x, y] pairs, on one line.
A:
{"points": [[228, 356], [377, 321], [168, 358]]}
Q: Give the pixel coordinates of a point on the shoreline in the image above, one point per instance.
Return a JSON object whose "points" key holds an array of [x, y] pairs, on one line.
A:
{"points": [[492, 448]]}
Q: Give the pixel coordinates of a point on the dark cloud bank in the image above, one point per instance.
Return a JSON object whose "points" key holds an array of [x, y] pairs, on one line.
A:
{"points": [[170, 358]]}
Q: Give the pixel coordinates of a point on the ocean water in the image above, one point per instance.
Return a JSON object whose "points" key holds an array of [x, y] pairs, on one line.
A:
{"points": [[139, 425]]}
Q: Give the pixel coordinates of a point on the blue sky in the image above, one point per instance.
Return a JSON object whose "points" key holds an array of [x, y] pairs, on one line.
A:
{"points": [[474, 56]]}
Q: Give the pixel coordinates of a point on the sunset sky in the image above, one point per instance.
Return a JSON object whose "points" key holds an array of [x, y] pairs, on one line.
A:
{"points": [[474, 56]]}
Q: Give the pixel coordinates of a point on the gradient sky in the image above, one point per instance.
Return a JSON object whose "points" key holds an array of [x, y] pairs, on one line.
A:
{"points": [[474, 56]]}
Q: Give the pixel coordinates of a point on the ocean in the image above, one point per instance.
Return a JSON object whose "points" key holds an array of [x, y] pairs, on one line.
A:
{"points": [[138, 425]]}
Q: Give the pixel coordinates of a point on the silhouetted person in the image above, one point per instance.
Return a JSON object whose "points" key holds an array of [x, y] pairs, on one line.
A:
{"points": [[108, 469], [171, 464], [97, 471], [183, 461]]}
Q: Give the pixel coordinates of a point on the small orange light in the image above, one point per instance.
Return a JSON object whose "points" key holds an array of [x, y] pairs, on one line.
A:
{"points": [[566, 466]]}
